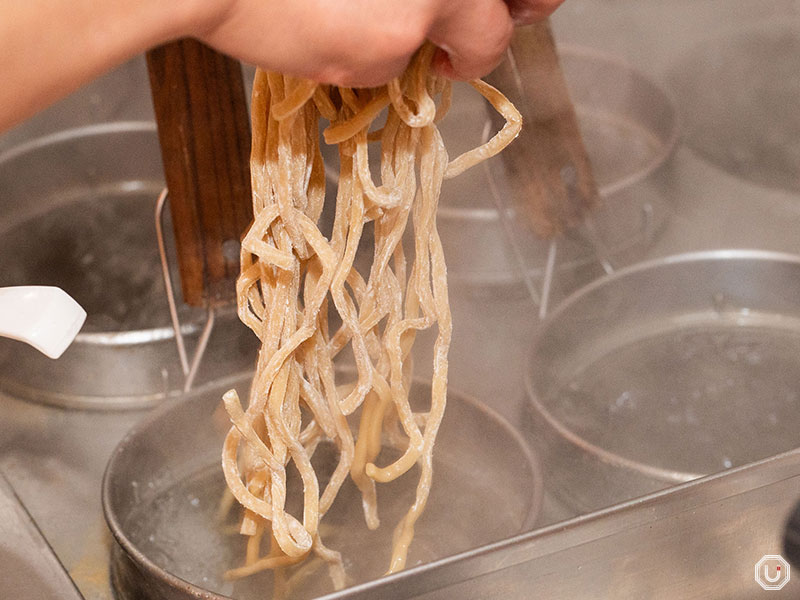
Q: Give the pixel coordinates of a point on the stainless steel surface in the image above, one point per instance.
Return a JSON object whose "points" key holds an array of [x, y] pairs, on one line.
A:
{"points": [[756, 135], [667, 371], [163, 486], [731, 67], [630, 129], [696, 541], [54, 458], [77, 213], [28, 567]]}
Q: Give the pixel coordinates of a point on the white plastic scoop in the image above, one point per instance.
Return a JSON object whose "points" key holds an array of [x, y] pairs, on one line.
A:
{"points": [[45, 317]]}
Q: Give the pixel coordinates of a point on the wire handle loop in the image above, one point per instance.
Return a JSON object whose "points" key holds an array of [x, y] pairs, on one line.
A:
{"points": [[188, 369]]}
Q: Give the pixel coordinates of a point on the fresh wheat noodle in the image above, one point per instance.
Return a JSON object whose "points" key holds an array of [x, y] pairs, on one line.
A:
{"points": [[291, 278]]}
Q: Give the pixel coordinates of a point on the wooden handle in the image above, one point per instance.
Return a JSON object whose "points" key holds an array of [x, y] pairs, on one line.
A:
{"points": [[549, 170], [204, 132]]}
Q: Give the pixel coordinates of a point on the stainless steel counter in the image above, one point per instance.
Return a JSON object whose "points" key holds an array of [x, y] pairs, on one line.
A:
{"points": [[54, 459], [30, 569]]}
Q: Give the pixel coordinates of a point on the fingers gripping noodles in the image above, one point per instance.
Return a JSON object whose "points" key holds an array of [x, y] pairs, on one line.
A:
{"points": [[292, 278]]}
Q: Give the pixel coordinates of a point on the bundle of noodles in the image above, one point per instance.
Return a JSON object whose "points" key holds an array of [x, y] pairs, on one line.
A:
{"points": [[292, 277]]}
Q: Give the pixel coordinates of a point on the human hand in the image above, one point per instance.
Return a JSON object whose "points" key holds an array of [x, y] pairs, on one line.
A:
{"points": [[367, 42]]}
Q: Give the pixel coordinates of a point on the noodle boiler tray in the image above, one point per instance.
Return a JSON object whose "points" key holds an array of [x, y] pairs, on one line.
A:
{"points": [[573, 520]]}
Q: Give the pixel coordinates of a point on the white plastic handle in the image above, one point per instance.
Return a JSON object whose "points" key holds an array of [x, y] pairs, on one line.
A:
{"points": [[45, 317]]}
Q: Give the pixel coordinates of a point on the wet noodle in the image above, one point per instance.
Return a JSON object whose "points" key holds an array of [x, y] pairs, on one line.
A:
{"points": [[292, 279]]}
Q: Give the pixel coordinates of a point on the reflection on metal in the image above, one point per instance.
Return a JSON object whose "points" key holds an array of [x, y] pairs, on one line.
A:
{"points": [[28, 567]]}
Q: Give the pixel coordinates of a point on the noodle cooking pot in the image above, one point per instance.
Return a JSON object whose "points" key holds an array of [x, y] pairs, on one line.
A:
{"points": [[77, 212], [667, 371], [163, 485]]}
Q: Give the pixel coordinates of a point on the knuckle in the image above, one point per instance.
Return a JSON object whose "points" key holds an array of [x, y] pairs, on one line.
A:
{"points": [[390, 48], [402, 39]]}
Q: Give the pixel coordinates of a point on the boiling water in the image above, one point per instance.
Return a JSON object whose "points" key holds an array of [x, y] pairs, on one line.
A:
{"points": [[100, 247], [698, 400], [180, 531]]}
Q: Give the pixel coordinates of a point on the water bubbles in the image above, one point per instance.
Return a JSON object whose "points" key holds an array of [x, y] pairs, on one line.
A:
{"points": [[720, 303], [135, 490], [727, 308], [753, 358], [625, 400]]}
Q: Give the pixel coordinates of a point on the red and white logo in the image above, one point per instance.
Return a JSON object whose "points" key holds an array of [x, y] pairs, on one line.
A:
{"points": [[772, 572]]}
